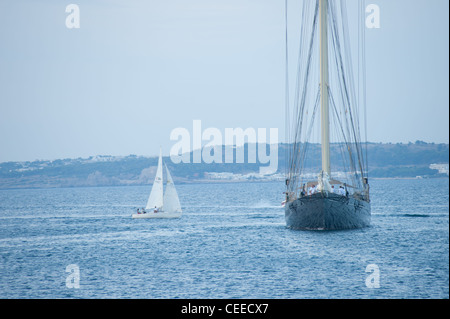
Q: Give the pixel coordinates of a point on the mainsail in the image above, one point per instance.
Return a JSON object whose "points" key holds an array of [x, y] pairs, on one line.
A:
{"points": [[156, 196]]}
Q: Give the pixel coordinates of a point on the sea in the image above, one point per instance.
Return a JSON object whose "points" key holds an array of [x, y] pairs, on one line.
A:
{"points": [[231, 243]]}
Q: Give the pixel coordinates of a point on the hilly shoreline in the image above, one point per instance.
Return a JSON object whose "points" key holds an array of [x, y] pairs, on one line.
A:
{"points": [[386, 160]]}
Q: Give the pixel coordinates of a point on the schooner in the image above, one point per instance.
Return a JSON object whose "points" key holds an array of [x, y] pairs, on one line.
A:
{"points": [[326, 181]]}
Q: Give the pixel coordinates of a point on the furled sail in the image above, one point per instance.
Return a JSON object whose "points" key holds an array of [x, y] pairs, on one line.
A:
{"points": [[156, 196]]}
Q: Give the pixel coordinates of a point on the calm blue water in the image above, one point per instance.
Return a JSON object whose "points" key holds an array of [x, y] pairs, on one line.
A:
{"points": [[230, 243]]}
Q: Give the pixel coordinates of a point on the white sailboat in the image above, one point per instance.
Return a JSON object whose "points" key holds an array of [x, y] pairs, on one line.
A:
{"points": [[161, 204]]}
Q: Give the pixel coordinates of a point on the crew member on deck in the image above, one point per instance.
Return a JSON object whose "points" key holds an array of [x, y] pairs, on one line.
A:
{"points": [[303, 192]]}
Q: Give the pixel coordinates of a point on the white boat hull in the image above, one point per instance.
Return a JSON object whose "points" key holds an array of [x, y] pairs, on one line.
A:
{"points": [[157, 215]]}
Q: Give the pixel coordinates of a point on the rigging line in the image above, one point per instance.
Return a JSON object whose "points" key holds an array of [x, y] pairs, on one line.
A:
{"points": [[352, 88], [339, 62], [338, 57], [301, 104], [357, 109], [348, 145], [339, 75], [346, 142], [340, 65], [338, 145], [287, 111], [348, 53], [359, 52], [299, 68], [302, 157], [360, 101], [306, 82], [364, 94], [296, 111], [308, 135], [338, 117]]}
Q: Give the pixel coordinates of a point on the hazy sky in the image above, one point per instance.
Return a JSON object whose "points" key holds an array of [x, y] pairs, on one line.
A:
{"points": [[137, 69]]}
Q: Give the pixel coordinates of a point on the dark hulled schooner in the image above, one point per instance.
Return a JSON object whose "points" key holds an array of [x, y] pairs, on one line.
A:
{"points": [[326, 190]]}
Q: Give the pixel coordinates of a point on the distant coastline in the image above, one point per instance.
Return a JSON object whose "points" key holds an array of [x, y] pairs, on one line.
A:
{"points": [[386, 161]]}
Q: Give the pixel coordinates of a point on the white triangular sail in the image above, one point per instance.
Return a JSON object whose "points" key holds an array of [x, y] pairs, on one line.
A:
{"points": [[171, 200], [156, 196]]}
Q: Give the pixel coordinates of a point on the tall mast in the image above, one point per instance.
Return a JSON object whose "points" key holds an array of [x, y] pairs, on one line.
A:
{"points": [[324, 107]]}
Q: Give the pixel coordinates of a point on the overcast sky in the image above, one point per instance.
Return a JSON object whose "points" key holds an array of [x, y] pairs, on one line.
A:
{"points": [[137, 69]]}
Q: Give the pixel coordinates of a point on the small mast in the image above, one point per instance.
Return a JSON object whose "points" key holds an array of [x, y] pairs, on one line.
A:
{"points": [[324, 103]]}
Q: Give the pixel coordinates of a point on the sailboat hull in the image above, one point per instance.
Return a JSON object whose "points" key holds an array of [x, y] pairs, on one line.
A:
{"points": [[156, 215], [327, 212]]}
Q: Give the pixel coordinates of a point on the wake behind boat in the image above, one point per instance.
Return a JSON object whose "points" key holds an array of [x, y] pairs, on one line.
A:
{"points": [[339, 197], [161, 204]]}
